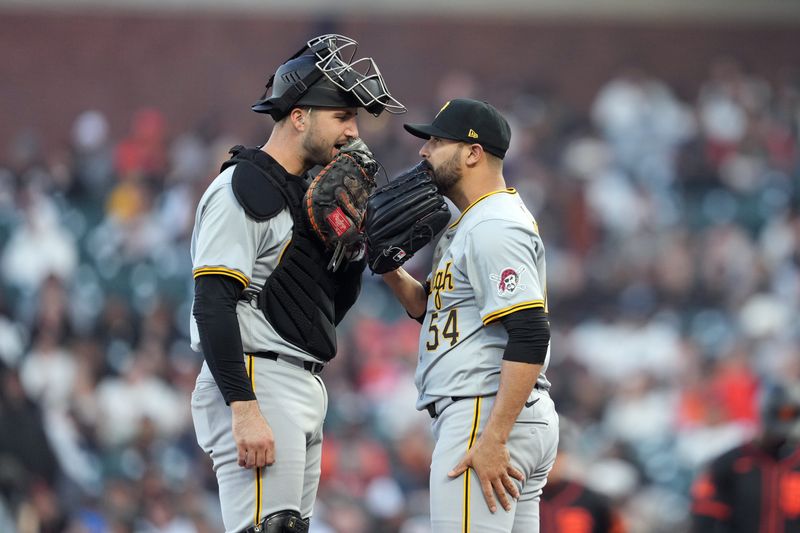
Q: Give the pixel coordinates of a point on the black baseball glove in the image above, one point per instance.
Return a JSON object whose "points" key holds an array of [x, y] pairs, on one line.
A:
{"points": [[402, 217], [336, 201]]}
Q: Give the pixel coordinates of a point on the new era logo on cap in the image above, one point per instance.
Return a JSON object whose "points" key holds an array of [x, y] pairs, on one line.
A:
{"points": [[461, 119]]}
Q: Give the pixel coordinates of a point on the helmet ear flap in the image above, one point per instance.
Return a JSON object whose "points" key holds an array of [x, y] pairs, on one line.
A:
{"points": [[289, 84]]}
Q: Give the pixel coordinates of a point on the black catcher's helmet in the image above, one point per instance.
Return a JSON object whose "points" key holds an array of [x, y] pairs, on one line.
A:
{"points": [[324, 73]]}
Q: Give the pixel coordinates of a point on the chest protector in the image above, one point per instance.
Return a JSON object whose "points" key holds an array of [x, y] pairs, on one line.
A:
{"points": [[298, 297]]}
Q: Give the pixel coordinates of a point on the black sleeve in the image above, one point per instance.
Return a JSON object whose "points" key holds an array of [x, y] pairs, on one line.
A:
{"points": [[348, 287], [528, 336], [215, 300], [421, 318]]}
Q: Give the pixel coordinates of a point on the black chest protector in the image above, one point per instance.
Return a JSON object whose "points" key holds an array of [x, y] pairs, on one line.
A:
{"points": [[300, 297]]}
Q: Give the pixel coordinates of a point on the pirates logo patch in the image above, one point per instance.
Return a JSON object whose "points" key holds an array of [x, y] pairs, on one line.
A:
{"points": [[508, 281]]}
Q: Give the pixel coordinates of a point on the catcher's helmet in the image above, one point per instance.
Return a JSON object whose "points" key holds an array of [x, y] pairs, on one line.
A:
{"points": [[324, 74]]}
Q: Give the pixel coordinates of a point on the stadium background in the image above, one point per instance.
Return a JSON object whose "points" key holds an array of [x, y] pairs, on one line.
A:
{"points": [[656, 142]]}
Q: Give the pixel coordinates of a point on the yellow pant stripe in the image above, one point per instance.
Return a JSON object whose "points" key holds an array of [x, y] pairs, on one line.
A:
{"points": [[476, 419], [258, 496], [466, 501], [251, 373]]}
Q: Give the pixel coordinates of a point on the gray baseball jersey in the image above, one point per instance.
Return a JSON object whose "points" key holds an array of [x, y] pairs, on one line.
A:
{"points": [[488, 264], [225, 241]]}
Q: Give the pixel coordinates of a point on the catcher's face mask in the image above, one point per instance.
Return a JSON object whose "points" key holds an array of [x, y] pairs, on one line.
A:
{"points": [[325, 73]]}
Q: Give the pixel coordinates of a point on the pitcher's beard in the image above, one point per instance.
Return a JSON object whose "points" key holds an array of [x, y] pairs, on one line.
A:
{"points": [[447, 176]]}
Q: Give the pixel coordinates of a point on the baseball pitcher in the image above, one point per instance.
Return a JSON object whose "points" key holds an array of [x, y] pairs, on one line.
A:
{"points": [[485, 338]]}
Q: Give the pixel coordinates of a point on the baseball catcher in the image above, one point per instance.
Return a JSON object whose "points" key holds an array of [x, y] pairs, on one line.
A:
{"points": [[336, 201], [402, 217], [265, 306]]}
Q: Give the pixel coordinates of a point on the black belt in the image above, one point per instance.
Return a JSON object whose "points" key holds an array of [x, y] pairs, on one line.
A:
{"points": [[311, 366], [431, 407]]}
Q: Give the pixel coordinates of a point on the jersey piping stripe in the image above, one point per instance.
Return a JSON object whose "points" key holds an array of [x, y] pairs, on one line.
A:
{"points": [[285, 247], [476, 418], [491, 317], [235, 274], [470, 206], [251, 373]]}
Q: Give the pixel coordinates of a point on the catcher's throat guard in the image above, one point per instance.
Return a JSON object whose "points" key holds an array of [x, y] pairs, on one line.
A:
{"points": [[325, 73]]}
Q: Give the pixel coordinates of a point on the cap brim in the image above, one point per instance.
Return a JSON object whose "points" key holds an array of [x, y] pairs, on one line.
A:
{"points": [[426, 131]]}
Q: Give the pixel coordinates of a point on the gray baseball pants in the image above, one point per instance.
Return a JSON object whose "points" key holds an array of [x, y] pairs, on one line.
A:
{"points": [[294, 403], [458, 505]]}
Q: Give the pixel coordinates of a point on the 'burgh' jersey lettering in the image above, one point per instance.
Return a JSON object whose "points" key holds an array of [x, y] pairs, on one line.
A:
{"points": [[488, 264]]}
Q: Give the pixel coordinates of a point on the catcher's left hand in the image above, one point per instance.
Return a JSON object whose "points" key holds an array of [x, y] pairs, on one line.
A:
{"points": [[336, 201]]}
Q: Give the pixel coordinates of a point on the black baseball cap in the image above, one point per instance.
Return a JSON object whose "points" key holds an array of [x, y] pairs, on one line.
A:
{"points": [[469, 121]]}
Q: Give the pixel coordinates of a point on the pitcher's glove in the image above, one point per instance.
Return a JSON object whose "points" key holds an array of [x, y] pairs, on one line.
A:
{"points": [[336, 201], [402, 217]]}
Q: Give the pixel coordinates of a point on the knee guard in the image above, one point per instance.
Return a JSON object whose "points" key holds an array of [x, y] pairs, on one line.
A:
{"points": [[281, 522]]}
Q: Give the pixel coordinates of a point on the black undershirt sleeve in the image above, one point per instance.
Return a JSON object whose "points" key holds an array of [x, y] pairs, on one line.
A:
{"points": [[215, 298], [421, 318], [528, 336]]}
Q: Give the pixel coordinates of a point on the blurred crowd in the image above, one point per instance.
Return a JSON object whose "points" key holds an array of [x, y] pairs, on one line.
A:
{"points": [[672, 227]]}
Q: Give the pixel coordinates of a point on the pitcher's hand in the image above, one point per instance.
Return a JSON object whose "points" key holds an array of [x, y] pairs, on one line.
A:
{"points": [[492, 464]]}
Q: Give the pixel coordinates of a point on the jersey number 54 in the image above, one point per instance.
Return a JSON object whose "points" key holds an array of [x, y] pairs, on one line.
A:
{"points": [[448, 333]]}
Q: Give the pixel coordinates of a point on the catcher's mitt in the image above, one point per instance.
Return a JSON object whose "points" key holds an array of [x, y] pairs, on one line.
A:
{"points": [[336, 201], [402, 217]]}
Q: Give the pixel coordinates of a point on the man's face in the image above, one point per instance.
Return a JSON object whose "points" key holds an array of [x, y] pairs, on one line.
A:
{"points": [[510, 282], [327, 130], [444, 156]]}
